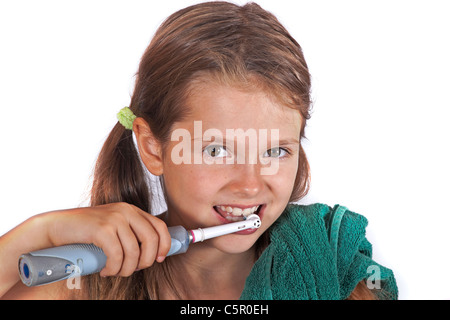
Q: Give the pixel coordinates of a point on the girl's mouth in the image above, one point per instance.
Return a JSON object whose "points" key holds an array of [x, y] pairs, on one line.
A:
{"points": [[237, 212]]}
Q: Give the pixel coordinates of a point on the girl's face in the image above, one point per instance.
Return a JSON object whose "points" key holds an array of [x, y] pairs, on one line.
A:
{"points": [[210, 167]]}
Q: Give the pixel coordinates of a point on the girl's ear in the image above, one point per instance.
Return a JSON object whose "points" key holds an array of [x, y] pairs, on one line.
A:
{"points": [[150, 149]]}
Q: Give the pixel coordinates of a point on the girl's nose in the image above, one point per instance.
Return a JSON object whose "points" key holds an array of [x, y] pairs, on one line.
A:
{"points": [[247, 181]]}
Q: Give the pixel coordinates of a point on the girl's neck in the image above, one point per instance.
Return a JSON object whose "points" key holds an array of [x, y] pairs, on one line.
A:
{"points": [[207, 273]]}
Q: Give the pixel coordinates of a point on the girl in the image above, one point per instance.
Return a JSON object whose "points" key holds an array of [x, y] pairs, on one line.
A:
{"points": [[221, 68]]}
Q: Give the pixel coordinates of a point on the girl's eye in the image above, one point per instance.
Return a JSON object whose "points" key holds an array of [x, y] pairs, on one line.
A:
{"points": [[275, 153], [215, 151]]}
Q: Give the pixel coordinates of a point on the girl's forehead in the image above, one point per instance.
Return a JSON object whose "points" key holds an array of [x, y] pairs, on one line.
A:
{"points": [[224, 107]]}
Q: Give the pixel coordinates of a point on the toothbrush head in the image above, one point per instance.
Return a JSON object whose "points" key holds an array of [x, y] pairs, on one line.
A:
{"points": [[257, 220]]}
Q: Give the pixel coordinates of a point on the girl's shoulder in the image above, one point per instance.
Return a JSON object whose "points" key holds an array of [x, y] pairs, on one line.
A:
{"points": [[337, 222]]}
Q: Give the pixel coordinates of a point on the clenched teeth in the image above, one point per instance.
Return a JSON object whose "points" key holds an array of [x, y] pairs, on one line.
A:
{"points": [[237, 212]]}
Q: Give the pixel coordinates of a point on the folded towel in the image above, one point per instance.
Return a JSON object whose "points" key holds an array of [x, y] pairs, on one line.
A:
{"points": [[317, 252]]}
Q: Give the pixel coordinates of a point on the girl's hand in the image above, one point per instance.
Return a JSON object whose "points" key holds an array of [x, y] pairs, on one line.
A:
{"points": [[130, 238]]}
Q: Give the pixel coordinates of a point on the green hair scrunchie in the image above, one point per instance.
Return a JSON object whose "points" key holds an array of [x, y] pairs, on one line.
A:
{"points": [[126, 118]]}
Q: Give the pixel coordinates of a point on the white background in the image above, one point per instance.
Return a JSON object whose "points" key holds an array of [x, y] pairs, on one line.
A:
{"points": [[377, 141]]}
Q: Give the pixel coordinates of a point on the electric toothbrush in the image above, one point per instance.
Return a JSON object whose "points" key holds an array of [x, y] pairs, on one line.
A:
{"points": [[63, 262]]}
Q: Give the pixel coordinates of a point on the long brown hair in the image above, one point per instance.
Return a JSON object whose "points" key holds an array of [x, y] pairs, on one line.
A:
{"points": [[239, 45]]}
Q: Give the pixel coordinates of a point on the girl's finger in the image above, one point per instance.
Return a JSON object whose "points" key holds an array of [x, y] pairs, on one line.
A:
{"points": [[162, 232], [164, 239], [112, 248], [153, 237], [131, 251]]}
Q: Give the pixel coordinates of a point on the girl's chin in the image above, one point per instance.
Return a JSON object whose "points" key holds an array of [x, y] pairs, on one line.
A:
{"points": [[236, 243]]}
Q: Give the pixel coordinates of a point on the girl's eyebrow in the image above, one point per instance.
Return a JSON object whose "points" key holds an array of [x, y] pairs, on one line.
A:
{"points": [[281, 142], [285, 142]]}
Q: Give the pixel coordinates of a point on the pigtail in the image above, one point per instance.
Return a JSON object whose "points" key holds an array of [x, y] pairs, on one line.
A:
{"points": [[118, 177], [118, 174]]}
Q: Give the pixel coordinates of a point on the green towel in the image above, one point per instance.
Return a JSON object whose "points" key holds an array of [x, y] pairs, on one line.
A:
{"points": [[317, 252]]}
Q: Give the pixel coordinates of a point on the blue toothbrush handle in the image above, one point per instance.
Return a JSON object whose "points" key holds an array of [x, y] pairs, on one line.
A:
{"points": [[63, 262]]}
